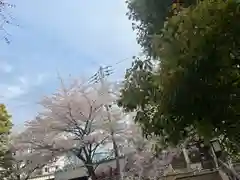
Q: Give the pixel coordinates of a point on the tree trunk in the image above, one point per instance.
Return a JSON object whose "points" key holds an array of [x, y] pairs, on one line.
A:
{"points": [[186, 157], [18, 177], [115, 147], [116, 153], [91, 172]]}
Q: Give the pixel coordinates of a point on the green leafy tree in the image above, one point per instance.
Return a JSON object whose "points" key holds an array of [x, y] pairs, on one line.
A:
{"points": [[148, 17], [195, 86], [5, 120], [5, 127]]}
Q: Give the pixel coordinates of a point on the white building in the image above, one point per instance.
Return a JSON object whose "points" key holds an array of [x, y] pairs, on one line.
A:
{"points": [[73, 172], [47, 172], [23, 157]]}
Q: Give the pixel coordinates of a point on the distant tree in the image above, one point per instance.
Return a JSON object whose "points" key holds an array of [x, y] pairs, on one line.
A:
{"points": [[5, 128], [5, 121]]}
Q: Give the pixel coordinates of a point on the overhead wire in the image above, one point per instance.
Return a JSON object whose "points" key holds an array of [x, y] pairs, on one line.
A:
{"points": [[106, 70]]}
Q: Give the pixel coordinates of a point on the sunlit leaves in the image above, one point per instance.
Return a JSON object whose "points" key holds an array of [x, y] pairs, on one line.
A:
{"points": [[5, 120], [5, 128]]}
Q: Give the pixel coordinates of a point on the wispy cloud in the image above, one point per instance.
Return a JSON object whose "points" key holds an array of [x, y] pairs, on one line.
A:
{"points": [[97, 36], [5, 67], [41, 78], [23, 80], [22, 86], [73, 37], [9, 92]]}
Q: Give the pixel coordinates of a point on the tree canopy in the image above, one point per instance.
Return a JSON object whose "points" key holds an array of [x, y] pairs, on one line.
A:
{"points": [[79, 119], [148, 17], [195, 85], [5, 127], [5, 120]]}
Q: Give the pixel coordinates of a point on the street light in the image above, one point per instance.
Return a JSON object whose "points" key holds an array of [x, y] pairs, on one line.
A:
{"points": [[216, 150], [216, 147]]}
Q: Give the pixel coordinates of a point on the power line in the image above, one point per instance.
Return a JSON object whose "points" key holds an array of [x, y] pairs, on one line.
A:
{"points": [[105, 71], [122, 60], [102, 73]]}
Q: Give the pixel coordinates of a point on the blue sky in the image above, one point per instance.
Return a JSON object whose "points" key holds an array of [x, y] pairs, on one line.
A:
{"points": [[66, 36]]}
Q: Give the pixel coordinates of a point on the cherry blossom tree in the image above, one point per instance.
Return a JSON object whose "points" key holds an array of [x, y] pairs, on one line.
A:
{"points": [[145, 161], [77, 118], [116, 124], [145, 164]]}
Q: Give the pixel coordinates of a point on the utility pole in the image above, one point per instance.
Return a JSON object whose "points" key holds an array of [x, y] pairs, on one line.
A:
{"points": [[101, 74]]}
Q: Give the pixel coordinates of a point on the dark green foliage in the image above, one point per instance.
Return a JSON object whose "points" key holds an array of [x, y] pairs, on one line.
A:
{"points": [[148, 17], [196, 87]]}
